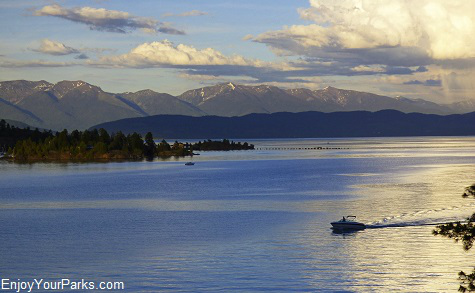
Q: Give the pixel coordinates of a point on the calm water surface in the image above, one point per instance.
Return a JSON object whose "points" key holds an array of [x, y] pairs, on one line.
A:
{"points": [[245, 220]]}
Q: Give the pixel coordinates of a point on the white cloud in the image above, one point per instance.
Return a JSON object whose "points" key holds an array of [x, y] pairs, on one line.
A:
{"points": [[165, 53], [201, 62], [413, 39], [107, 20], [364, 68], [211, 62], [54, 48], [247, 37], [439, 29]]}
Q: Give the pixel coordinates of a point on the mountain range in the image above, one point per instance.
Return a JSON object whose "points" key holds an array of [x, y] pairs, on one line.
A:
{"points": [[80, 105], [299, 125]]}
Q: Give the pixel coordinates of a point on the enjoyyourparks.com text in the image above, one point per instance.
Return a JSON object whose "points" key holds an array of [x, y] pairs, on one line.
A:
{"points": [[63, 284]]}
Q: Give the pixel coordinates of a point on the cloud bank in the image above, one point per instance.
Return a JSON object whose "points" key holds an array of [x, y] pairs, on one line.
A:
{"points": [[385, 32], [107, 20], [196, 62], [34, 63], [165, 53]]}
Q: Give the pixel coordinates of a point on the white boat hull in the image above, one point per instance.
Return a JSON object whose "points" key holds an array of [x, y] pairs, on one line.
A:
{"points": [[348, 225]]}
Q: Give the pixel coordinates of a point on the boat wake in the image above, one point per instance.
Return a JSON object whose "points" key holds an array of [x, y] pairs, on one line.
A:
{"points": [[426, 217]]}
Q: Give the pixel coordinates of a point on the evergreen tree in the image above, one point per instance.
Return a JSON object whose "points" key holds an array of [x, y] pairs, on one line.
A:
{"points": [[150, 146], [104, 136], [464, 232]]}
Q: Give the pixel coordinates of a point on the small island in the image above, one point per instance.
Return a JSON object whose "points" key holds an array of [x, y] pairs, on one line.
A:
{"points": [[26, 145]]}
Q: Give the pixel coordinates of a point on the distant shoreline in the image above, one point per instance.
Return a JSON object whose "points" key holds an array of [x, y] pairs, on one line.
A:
{"points": [[386, 123]]}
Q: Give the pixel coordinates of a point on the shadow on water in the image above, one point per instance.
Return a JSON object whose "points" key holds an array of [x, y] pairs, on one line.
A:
{"points": [[344, 232]]}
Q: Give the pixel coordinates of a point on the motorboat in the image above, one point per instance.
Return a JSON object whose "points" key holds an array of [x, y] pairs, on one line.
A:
{"points": [[189, 164], [348, 223]]}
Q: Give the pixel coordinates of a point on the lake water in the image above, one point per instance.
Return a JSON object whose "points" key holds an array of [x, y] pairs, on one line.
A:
{"points": [[245, 220]]}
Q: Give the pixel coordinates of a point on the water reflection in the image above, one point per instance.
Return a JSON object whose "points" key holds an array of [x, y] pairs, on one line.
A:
{"points": [[246, 221], [344, 232]]}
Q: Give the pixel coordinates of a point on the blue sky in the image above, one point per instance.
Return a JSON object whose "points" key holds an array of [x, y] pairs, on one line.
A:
{"points": [[420, 49]]}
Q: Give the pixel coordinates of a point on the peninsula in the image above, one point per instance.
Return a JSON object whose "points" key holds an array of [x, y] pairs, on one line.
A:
{"points": [[24, 144]]}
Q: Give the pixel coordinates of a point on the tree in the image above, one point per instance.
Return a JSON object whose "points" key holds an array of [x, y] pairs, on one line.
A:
{"points": [[27, 144], [118, 141], [100, 148], [150, 146], [86, 137], [163, 146], [464, 232], [63, 140], [135, 144], [104, 136], [75, 137]]}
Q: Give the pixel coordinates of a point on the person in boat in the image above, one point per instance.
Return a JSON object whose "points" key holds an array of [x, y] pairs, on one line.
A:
{"points": [[343, 220]]}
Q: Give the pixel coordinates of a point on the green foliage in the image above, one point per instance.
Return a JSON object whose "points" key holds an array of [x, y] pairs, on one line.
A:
{"points": [[27, 145], [77, 145], [150, 146], [163, 147], [119, 142], [469, 191], [88, 145], [135, 144], [467, 281], [100, 148], [104, 137], [10, 135], [224, 145], [464, 232]]}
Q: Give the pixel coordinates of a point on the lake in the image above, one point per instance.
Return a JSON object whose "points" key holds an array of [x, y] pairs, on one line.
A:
{"points": [[245, 220]]}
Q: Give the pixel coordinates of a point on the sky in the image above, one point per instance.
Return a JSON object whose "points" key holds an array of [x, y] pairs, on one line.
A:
{"points": [[416, 49]]}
